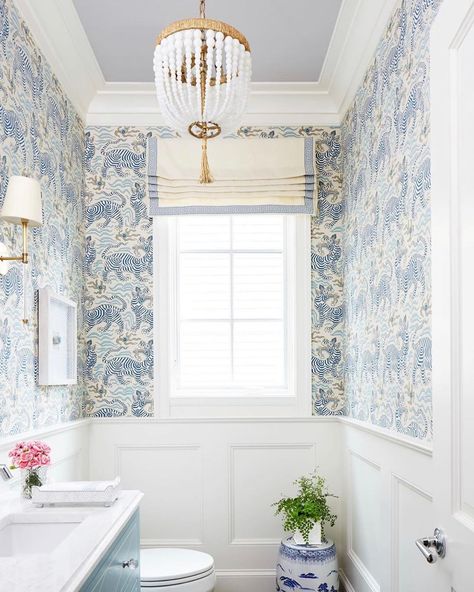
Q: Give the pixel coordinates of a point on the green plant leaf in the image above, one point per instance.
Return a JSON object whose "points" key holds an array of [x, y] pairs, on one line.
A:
{"points": [[307, 508]]}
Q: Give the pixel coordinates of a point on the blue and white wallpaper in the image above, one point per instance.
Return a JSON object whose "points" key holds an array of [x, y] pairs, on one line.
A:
{"points": [[119, 277], [371, 312], [40, 136], [386, 188]]}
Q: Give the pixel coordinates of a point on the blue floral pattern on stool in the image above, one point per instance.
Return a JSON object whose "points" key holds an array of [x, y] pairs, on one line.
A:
{"points": [[306, 568]]}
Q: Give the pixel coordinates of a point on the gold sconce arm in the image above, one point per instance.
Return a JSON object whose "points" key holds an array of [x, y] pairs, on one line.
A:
{"points": [[22, 205], [24, 256]]}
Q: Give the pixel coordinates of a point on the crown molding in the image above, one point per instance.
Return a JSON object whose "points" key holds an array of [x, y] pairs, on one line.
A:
{"points": [[58, 31], [363, 23], [269, 104]]}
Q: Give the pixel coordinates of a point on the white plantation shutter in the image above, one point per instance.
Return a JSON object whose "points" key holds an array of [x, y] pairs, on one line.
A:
{"points": [[232, 326]]}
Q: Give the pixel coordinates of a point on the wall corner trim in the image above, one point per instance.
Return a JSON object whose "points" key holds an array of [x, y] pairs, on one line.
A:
{"points": [[45, 431], [400, 439]]}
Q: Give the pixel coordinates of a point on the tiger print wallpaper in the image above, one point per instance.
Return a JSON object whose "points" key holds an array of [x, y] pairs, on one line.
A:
{"points": [[386, 189], [371, 314], [40, 136], [119, 277]]}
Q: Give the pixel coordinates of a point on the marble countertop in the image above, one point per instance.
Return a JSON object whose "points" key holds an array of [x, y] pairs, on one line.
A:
{"points": [[66, 567]]}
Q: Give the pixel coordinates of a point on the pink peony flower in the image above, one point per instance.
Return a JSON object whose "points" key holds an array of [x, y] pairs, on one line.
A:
{"points": [[30, 455]]}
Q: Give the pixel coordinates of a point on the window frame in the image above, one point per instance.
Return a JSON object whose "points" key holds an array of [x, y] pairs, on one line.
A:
{"points": [[292, 402]]}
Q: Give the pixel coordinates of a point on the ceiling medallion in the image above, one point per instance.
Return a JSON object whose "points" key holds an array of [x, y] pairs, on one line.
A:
{"points": [[202, 75]]}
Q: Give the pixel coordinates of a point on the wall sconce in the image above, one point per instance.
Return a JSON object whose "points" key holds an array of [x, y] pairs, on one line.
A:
{"points": [[22, 206]]}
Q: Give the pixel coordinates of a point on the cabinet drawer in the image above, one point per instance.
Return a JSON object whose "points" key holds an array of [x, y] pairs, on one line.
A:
{"points": [[110, 575]]}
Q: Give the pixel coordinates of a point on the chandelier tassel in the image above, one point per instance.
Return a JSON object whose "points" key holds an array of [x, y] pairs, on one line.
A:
{"points": [[206, 176]]}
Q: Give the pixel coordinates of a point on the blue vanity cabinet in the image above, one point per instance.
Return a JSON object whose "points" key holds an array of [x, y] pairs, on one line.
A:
{"points": [[119, 569]]}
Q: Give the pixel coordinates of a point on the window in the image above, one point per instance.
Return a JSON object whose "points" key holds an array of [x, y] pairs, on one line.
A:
{"points": [[231, 313]]}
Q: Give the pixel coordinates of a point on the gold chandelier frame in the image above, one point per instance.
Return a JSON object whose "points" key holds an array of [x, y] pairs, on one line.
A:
{"points": [[203, 24]]}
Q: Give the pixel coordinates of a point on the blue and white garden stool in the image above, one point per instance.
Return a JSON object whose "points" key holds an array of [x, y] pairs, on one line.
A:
{"points": [[309, 568]]}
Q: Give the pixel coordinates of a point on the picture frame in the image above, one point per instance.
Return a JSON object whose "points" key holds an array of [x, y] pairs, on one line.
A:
{"points": [[57, 339]]}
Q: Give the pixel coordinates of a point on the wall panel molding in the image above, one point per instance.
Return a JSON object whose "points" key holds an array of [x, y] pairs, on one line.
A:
{"points": [[214, 420], [371, 565], [363, 570], [239, 528], [189, 490], [119, 449], [369, 579], [398, 481], [405, 441], [233, 540]]}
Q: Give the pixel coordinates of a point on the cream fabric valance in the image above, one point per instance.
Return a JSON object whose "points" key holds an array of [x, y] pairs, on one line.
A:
{"points": [[251, 176]]}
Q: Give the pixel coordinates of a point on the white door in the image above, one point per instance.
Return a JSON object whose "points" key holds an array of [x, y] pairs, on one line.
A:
{"points": [[452, 136]]}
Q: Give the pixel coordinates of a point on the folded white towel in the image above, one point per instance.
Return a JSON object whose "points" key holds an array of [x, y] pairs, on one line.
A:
{"points": [[80, 486]]}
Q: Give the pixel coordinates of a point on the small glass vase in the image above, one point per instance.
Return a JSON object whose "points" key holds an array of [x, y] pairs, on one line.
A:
{"points": [[32, 477]]}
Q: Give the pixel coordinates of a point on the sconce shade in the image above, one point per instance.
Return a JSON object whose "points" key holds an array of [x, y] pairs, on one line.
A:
{"points": [[23, 201]]}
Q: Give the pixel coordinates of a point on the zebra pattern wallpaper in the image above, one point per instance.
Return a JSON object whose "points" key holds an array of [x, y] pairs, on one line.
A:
{"points": [[40, 136], [118, 263], [386, 188]]}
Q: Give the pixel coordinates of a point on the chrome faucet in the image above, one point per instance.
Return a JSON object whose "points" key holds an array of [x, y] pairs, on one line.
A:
{"points": [[5, 473]]}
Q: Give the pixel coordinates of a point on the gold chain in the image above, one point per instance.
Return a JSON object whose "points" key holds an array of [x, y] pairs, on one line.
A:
{"points": [[202, 9]]}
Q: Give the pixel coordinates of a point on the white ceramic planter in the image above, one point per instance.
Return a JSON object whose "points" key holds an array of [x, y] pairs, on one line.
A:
{"points": [[314, 536]]}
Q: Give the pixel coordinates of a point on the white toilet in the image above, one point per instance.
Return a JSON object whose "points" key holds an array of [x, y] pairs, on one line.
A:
{"points": [[176, 570]]}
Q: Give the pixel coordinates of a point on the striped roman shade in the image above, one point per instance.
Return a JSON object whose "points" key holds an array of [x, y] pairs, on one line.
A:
{"points": [[251, 176]]}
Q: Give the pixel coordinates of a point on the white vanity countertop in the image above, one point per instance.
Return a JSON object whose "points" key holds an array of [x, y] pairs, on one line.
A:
{"points": [[67, 567]]}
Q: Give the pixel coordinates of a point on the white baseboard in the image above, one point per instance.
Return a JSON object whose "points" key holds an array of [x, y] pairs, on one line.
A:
{"points": [[346, 586], [245, 580]]}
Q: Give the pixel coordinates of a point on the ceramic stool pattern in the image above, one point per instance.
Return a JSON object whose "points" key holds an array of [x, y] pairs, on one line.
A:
{"points": [[308, 568]]}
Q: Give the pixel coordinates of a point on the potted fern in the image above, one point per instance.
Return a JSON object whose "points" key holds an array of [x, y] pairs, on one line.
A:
{"points": [[306, 514]]}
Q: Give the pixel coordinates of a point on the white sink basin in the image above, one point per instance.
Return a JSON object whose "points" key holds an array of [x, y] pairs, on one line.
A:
{"points": [[26, 534]]}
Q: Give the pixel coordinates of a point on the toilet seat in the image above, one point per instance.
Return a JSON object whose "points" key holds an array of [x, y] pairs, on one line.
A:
{"points": [[165, 567], [161, 583]]}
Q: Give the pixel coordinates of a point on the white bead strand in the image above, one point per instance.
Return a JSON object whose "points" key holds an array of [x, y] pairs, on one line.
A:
{"points": [[179, 48], [188, 50], [209, 72], [219, 72], [228, 75], [197, 63]]}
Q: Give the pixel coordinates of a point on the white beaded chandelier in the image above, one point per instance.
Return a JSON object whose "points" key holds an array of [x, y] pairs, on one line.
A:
{"points": [[202, 75]]}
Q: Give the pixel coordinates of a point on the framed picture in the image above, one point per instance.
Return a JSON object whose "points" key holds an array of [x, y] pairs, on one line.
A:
{"points": [[57, 339]]}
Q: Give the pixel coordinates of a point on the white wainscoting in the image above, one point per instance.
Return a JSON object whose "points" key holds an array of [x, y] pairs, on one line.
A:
{"points": [[69, 451], [209, 484], [387, 505]]}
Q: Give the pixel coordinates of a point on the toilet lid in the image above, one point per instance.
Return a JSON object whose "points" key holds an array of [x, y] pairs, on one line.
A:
{"points": [[158, 565]]}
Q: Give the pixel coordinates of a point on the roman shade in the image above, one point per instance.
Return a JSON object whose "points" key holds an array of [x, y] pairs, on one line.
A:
{"points": [[251, 176]]}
